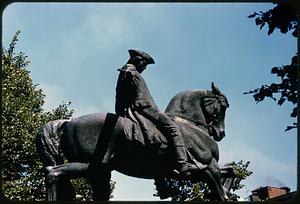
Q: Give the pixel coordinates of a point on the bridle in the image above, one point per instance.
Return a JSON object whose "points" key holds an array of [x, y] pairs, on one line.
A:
{"points": [[204, 124]]}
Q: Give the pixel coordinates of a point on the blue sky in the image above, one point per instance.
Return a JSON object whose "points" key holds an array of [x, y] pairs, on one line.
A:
{"points": [[76, 49]]}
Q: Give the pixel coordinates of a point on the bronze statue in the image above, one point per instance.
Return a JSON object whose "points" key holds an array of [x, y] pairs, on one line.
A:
{"points": [[133, 99], [139, 140]]}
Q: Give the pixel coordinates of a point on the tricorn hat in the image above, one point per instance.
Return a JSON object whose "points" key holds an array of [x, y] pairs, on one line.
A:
{"points": [[144, 55]]}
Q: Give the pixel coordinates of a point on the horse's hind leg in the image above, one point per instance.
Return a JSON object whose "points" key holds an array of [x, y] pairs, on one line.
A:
{"points": [[60, 190], [100, 183], [58, 177]]}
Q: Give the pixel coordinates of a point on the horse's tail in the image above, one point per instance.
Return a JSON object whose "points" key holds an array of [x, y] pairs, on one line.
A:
{"points": [[47, 143]]}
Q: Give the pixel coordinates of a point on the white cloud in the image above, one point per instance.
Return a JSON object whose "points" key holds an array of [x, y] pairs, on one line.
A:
{"points": [[140, 189], [84, 108], [54, 95], [108, 29], [266, 170], [10, 22]]}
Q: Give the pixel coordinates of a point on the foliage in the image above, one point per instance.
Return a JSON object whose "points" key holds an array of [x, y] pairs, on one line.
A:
{"points": [[286, 88], [241, 171], [22, 114], [187, 190], [83, 190], [283, 17]]}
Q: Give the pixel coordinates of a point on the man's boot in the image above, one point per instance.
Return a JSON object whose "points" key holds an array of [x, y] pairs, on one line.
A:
{"points": [[183, 167], [174, 137]]}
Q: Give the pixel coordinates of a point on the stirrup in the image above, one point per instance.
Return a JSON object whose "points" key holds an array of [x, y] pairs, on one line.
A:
{"points": [[186, 170], [183, 174]]}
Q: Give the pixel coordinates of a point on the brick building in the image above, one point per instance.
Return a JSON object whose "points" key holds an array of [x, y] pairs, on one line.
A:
{"points": [[271, 193]]}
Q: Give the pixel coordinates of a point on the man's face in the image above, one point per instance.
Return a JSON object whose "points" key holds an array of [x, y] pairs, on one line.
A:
{"points": [[141, 66]]}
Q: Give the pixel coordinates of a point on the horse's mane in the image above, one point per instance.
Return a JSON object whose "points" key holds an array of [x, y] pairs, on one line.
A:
{"points": [[187, 104]]}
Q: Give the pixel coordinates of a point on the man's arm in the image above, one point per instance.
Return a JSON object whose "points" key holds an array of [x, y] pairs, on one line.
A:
{"points": [[120, 105], [123, 89], [119, 108]]}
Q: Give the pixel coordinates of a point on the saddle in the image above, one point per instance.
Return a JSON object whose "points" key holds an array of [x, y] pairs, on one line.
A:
{"points": [[143, 131], [148, 135]]}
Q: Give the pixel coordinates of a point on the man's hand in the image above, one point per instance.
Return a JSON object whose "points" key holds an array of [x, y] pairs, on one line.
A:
{"points": [[173, 130]]}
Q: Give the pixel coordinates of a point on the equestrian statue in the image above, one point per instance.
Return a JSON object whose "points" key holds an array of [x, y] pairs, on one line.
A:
{"points": [[138, 140]]}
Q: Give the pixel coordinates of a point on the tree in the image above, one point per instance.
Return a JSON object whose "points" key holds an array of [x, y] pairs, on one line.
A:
{"points": [[241, 171], [22, 114], [283, 17], [187, 190]]}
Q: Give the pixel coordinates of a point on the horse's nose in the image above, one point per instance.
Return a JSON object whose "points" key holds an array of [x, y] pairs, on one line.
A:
{"points": [[222, 133]]}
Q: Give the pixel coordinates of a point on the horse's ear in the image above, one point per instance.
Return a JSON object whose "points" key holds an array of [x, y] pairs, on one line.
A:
{"points": [[215, 89]]}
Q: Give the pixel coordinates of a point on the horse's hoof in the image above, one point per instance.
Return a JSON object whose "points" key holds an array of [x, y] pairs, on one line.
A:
{"points": [[164, 195], [186, 171]]}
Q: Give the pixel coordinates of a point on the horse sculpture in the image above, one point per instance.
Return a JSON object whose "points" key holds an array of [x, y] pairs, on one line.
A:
{"points": [[85, 141]]}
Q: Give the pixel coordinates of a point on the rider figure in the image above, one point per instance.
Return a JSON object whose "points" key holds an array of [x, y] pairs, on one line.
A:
{"points": [[132, 94]]}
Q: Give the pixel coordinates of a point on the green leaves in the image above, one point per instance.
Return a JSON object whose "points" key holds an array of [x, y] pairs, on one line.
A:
{"points": [[286, 89], [241, 171], [22, 114], [282, 16]]}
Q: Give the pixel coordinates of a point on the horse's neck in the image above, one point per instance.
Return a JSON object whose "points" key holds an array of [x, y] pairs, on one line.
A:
{"points": [[187, 105], [189, 125]]}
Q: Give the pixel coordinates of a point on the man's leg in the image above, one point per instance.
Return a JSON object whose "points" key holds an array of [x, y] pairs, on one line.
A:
{"points": [[168, 128], [175, 138]]}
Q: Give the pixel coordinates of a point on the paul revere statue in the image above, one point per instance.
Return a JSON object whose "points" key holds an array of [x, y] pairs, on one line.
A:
{"points": [[133, 99]]}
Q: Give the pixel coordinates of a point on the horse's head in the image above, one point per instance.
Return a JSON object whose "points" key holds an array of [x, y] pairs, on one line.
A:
{"points": [[202, 107], [214, 106]]}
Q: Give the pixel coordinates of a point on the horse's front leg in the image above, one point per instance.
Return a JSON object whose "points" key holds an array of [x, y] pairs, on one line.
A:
{"points": [[100, 183], [58, 177], [228, 178], [214, 180]]}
